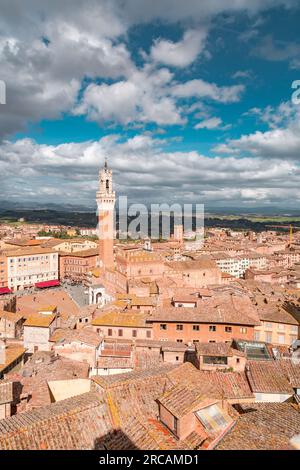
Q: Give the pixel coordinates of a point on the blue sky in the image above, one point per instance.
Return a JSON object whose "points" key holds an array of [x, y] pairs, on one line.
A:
{"points": [[189, 102]]}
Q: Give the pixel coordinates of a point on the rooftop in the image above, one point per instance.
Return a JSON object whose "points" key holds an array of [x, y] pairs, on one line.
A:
{"points": [[217, 349], [12, 352], [267, 377], [263, 426], [39, 320], [125, 319]]}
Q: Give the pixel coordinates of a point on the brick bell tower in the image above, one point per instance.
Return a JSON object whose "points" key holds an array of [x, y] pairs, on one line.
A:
{"points": [[106, 198]]}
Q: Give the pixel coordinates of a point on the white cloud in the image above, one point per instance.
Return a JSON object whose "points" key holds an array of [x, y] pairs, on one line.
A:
{"points": [[242, 74], [282, 141], [142, 98], [211, 123], [182, 53], [200, 89], [144, 171], [49, 48]]}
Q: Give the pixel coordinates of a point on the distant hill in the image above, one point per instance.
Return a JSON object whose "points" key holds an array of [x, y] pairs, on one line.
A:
{"points": [[28, 205]]}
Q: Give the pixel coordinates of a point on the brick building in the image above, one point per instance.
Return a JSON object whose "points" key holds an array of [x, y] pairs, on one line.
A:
{"points": [[76, 265]]}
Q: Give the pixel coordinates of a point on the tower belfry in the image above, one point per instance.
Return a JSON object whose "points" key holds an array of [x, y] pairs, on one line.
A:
{"points": [[106, 198]]}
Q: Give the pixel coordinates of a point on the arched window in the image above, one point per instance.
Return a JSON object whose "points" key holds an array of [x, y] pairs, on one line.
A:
{"points": [[107, 184]]}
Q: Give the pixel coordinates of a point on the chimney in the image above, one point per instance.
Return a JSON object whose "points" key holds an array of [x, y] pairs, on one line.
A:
{"points": [[2, 352]]}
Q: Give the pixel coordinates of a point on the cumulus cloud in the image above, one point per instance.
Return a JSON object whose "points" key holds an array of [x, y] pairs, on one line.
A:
{"points": [[200, 89], [144, 97], [182, 53], [282, 141], [47, 55], [144, 171], [43, 77]]}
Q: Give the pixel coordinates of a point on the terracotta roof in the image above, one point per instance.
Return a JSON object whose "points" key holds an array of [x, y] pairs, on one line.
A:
{"points": [[44, 366], [74, 423], [10, 316], [6, 392], [113, 362], [144, 301], [27, 251], [291, 370], [277, 314], [40, 320], [124, 319], [83, 335], [47, 308], [267, 377], [136, 376], [204, 262], [81, 253], [217, 349], [12, 353], [181, 400], [233, 386], [208, 313], [185, 298], [152, 343], [263, 426]]}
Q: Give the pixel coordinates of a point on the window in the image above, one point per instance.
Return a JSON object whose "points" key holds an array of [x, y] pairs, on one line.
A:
{"points": [[281, 338], [163, 326], [215, 360], [243, 330], [213, 418], [281, 327], [177, 358], [237, 360], [268, 326], [228, 329], [256, 335], [195, 341], [134, 333], [179, 327], [120, 332], [196, 327], [212, 328], [148, 334], [179, 340], [109, 332], [268, 337]]}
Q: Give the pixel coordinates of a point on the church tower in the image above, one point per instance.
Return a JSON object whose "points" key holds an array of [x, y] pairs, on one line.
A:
{"points": [[106, 198]]}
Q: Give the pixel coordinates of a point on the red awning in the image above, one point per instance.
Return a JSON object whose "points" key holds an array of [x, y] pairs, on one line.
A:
{"points": [[5, 290], [42, 285]]}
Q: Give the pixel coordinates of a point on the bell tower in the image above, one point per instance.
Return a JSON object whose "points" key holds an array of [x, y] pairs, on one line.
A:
{"points": [[106, 198]]}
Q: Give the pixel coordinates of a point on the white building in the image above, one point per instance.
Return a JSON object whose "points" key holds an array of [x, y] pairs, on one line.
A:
{"points": [[30, 265]]}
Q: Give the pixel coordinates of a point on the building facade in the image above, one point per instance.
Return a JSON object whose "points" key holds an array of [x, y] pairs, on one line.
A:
{"points": [[28, 266]]}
